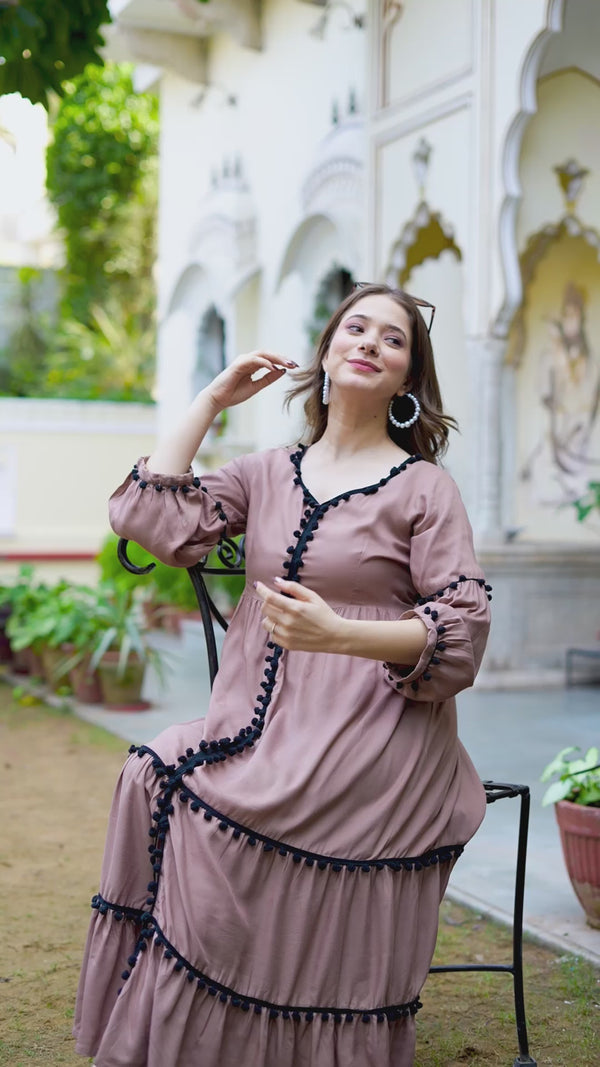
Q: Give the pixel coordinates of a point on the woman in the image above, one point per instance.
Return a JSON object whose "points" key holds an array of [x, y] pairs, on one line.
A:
{"points": [[302, 835]]}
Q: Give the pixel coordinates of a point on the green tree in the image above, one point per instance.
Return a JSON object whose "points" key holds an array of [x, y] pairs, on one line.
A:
{"points": [[22, 363], [44, 42], [102, 177]]}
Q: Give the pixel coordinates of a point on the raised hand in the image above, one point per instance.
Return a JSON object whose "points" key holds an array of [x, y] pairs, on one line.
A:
{"points": [[237, 382]]}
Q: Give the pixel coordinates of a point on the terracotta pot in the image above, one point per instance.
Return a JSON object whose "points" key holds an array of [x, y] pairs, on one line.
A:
{"points": [[52, 658], [6, 655], [85, 685], [580, 837], [152, 612], [121, 694], [26, 661], [169, 618]]}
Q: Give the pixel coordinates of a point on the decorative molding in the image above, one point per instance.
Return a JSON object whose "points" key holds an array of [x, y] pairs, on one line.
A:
{"points": [[571, 176], [227, 228], [423, 218], [536, 248], [421, 158], [391, 12], [336, 176], [509, 253], [392, 128]]}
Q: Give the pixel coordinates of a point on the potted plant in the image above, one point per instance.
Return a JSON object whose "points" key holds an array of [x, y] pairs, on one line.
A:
{"points": [[166, 592], [121, 650], [70, 640], [23, 598], [576, 796], [6, 655]]}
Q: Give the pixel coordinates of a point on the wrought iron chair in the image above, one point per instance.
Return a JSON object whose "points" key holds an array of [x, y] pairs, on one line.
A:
{"points": [[231, 557]]}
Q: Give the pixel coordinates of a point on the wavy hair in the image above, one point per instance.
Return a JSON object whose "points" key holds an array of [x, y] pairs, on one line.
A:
{"points": [[429, 435]]}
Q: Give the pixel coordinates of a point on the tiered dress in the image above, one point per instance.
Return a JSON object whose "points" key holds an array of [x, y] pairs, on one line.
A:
{"points": [[273, 872]]}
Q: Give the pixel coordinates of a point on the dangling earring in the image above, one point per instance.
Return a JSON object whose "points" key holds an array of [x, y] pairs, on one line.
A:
{"points": [[326, 389], [413, 418]]}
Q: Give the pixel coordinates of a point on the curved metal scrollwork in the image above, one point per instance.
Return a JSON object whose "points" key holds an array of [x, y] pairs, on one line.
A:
{"points": [[231, 555], [126, 562]]}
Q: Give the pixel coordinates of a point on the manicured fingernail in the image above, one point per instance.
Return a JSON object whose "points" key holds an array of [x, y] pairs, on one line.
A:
{"points": [[290, 363], [255, 584], [278, 579]]}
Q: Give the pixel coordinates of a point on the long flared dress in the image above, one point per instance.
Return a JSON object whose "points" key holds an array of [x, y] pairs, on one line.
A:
{"points": [[272, 873]]}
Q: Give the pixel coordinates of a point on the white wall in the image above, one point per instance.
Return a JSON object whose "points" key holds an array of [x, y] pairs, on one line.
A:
{"points": [[59, 462]]}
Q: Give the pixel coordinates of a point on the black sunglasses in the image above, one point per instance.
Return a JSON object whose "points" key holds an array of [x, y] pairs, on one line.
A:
{"points": [[415, 300]]}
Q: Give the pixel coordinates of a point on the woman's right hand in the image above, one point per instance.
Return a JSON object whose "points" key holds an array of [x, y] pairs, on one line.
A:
{"points": [[236, 383]]}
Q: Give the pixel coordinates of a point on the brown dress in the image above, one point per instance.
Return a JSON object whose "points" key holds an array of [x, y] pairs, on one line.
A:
{"points": [[273, 873]]}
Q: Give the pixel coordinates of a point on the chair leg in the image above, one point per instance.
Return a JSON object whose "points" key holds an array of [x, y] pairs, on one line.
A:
{"points": [[517, 968]]}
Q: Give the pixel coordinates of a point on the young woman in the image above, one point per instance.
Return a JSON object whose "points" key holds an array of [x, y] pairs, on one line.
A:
{"points": [[273, 873]]}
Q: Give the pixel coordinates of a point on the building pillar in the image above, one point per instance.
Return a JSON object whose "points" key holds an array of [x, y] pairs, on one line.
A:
{"points": [[486, 360]]}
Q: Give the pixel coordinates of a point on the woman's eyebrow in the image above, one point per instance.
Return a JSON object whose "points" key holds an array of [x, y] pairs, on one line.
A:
{"points": [[388, 326]]}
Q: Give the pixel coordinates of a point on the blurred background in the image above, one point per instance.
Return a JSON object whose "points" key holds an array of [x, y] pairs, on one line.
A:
{"points": [[181, 181]]}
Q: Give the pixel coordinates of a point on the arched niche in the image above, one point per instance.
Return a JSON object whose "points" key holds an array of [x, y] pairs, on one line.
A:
{"points": [[191, 344], [426, 236], [335, 285], [568, 39], [554, 357], [210, 349], [317, 242]]}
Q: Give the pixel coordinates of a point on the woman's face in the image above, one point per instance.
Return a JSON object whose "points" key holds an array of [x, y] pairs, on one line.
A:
{"points": [[370, 350]]}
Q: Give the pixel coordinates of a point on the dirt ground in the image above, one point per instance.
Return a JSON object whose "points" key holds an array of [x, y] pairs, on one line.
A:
{"points": [[56, 782]]}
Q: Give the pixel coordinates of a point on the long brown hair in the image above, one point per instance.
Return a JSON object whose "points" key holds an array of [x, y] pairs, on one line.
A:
{"points": [[429, 435]]}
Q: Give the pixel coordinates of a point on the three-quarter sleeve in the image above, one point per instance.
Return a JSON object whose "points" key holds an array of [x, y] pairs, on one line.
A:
{"points": [[179, 518], [452, 598], [124, 885]]}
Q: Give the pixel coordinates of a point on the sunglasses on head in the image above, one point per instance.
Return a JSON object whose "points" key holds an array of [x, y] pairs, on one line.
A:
{"points": [[415, 300]]}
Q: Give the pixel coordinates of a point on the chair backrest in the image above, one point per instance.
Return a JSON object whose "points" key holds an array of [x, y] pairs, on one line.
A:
{"points": [[231, 557]]}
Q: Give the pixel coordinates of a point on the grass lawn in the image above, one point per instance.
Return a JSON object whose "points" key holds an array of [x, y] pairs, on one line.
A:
{"points": [[57, 779]]}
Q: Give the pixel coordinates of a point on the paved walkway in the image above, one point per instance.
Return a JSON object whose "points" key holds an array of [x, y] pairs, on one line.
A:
{"points": [[511, 736]]}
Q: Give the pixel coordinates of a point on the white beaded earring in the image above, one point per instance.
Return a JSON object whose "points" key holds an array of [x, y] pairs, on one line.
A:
{"points": [[409, 422], [326, 389]]}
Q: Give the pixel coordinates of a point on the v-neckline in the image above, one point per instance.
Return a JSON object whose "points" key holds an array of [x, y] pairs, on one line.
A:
{"points": [[296, 459]]}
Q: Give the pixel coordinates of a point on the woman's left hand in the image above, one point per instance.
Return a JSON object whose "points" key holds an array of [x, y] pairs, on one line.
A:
{"points": [[299, 619]]}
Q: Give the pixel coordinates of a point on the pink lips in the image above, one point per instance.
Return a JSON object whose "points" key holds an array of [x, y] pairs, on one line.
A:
{"points": [[363, 364]]}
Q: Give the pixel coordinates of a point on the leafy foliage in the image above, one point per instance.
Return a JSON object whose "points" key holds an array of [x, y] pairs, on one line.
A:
{"points": [[43, 43], [102, 176], [22, 362], [102, 179], [589, 502], [578, 778]]}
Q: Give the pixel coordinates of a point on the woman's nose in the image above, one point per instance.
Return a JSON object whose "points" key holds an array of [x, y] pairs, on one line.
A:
{"points": [[368, 343]]}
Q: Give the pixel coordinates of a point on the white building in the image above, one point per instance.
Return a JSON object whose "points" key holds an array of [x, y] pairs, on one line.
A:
{"points": [[449, 146]]}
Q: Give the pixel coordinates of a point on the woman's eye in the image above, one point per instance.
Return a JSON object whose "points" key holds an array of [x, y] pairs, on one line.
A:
{"points": [[395, 341], [354, 326]]}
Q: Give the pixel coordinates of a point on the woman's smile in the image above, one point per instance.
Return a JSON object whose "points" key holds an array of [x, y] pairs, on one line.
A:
{"points": [[364, 365]]}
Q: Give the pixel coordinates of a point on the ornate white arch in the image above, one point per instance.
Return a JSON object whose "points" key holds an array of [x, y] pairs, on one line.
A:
{"points": [[421, 220], [509, 252]]}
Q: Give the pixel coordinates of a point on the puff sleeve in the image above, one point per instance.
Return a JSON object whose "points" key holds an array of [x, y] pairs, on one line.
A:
{"points": [[452, 598], [179, 518]]}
